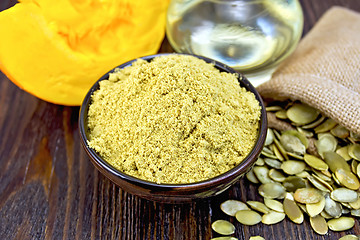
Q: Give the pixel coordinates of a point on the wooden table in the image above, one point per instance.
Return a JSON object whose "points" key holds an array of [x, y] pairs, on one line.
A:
{"points": [[50, 190]]}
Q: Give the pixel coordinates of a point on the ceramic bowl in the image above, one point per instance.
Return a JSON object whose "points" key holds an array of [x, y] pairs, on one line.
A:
{"points": [[174, 193]]}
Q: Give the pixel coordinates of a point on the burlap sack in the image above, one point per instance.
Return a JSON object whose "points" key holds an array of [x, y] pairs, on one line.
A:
{"points": [[324, 70]]}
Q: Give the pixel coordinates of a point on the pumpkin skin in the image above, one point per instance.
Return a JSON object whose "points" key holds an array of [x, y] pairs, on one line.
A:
{"points": [[56, 50]]}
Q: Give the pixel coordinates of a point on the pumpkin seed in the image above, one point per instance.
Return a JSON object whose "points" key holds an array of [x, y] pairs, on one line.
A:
{"points": [[248, 217], [356, 204], [315, 123], [272, 190], [325, 215], [332, 208], [320, 183], [347, 179], [277, 134], [272, 217], [281, 150], [314, 209], [292, 183], [349, 237], [302, 114], [315, 181], [326, 143], [295, 155], [262, 174], [276, 175], [258, 206], [344, 195], [260, 162], [303, 208], [335, 179], [251, 177], [274, 205], [343, 151], [345, 210], [341, 224], [354, 137], [268, 153], [307, 133], [277, 152], [346, 205], [281, 114], [354, 165], [307, 195], [223, 227], [317, 184], [289, 196], [269, 137], [292, 167], [355, 212], [273, 108], [319, 224], [303, 174], [299, 135], [340, 132], [324, 175], [292, 210], [354, 151], [230, 207], [256, 238], [325, 126], [335, 161], [267, 149], [273, 163], [294, 141], [315, 162]]}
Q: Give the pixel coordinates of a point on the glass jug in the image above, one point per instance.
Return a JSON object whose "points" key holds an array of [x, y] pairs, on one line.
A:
{"points": [[252, 36]]}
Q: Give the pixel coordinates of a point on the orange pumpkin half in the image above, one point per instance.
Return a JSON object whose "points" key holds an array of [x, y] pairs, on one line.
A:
{"points": [[56, 50]]}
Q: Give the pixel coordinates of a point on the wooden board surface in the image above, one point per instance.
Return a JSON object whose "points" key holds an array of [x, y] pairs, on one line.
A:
{"points": [[50, 190]]}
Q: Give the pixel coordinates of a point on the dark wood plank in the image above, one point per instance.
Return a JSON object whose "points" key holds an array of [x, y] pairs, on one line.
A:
{"points": [[50, 190]]}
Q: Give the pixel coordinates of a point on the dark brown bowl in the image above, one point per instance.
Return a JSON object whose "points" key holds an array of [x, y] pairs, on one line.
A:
{"points": [[174, 193]]}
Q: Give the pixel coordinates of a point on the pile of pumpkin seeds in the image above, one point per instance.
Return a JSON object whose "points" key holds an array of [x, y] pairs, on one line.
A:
{"points": [[308, 167]]}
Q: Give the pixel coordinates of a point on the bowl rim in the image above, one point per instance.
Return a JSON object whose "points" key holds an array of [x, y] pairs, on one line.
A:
{"points": [[241, 168]]}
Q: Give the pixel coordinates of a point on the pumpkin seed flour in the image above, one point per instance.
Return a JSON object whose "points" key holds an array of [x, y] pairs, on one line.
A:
{"points": [[176, 119]]}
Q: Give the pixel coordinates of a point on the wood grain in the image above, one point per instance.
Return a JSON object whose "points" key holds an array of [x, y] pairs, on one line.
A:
{"points": [[50, 190]]}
